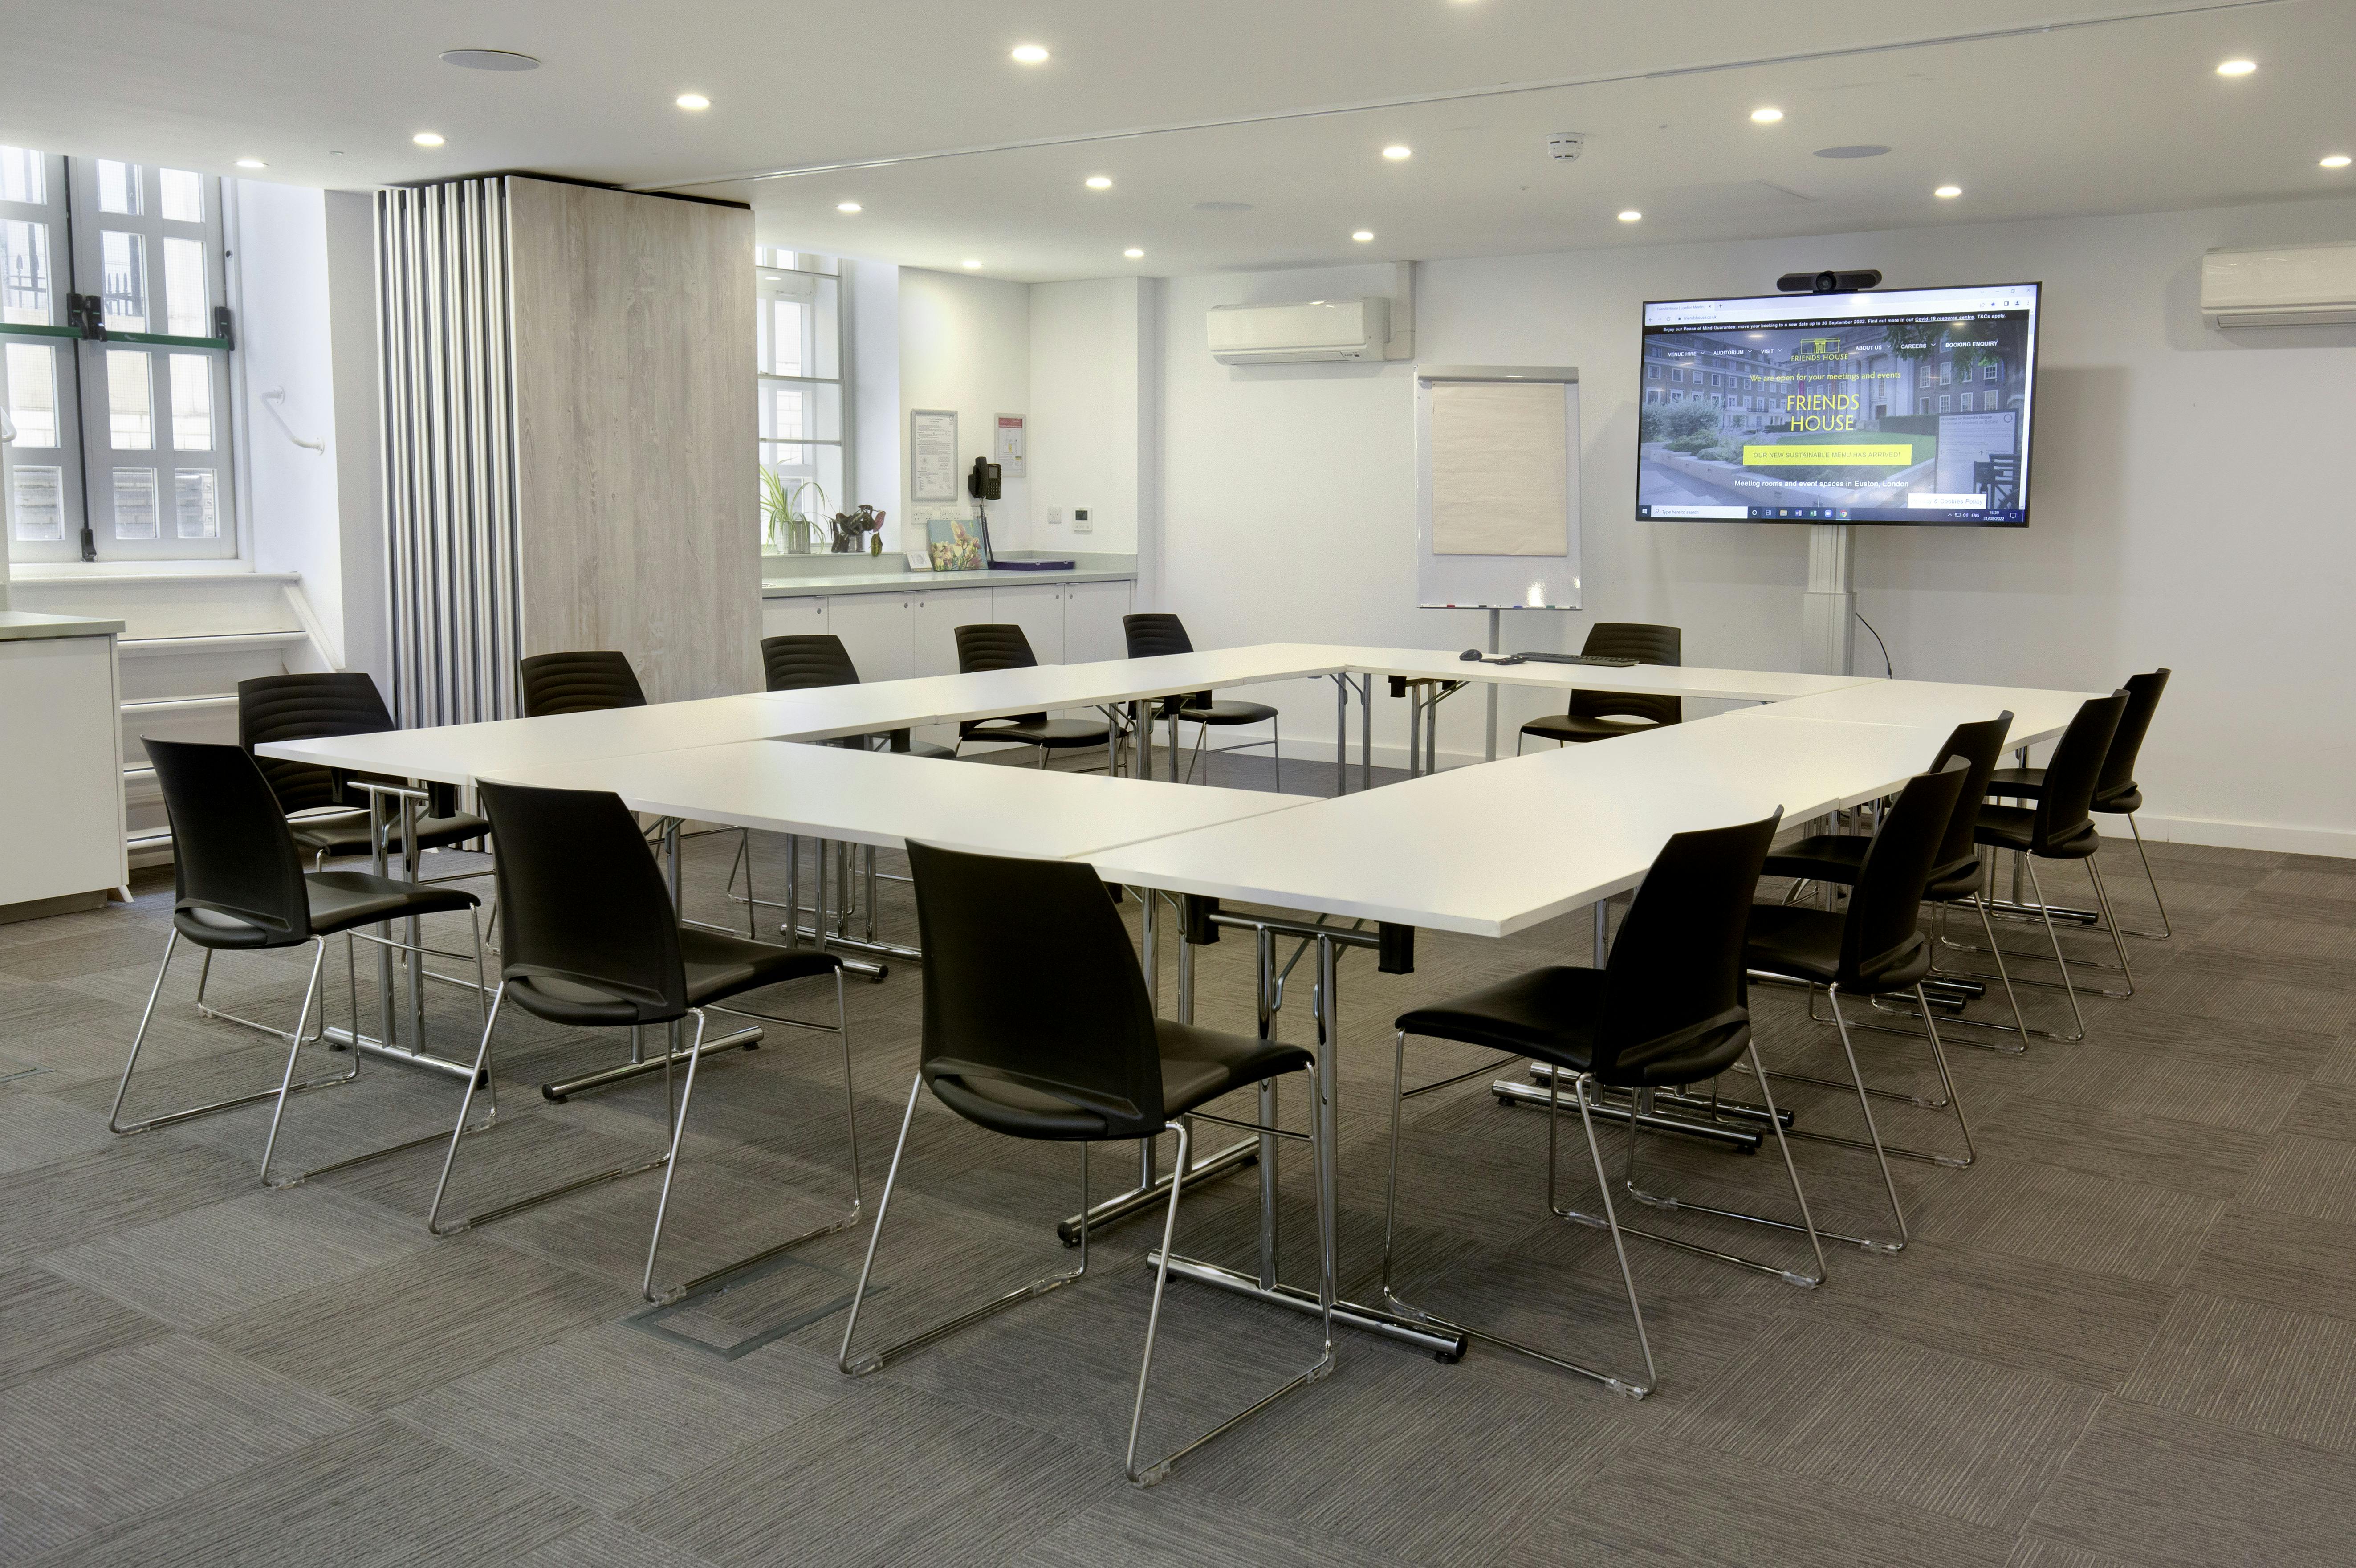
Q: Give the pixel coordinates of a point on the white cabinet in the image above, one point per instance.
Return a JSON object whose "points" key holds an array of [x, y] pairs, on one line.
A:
{"points": [[1038, 609], [62, 796], [797, 617], [877, 631], [1092, 629], [932, 630]]}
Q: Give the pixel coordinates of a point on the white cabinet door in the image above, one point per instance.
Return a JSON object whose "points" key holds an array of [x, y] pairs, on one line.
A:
{"points": [[799, 616], [939, 612], [877, 631], [1038, 609], [62, 798], [1092, 612]]}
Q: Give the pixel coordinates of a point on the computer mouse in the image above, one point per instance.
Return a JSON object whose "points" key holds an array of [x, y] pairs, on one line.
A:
{"points": [[1471, 655]]}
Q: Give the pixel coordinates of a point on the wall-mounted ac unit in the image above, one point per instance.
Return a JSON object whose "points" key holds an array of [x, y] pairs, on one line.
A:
{"points": [[2280, 285], [1287, 334]]}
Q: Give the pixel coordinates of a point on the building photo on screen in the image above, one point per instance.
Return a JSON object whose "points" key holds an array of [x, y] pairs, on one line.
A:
{"points": [[1901, 406]]}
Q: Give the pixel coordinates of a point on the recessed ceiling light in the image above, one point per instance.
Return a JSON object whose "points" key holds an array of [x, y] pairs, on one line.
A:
{"points": [[1100, 182], [1948, 192], [2236, 66], [2337, 160], [1630, 215], [1133, 252], [970, 262], [1030, 54], [427, 139], [1396, 151], [1766, 116], [846, 207], [1363, 235], [489, 59], [257, 163], [692, 100]]}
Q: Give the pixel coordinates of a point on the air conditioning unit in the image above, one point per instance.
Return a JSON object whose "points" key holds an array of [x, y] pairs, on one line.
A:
{"points": [[1288, 334], [2280, 285]]}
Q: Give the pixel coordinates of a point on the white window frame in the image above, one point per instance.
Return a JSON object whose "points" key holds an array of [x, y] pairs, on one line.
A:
{"points": [[770, 277]]}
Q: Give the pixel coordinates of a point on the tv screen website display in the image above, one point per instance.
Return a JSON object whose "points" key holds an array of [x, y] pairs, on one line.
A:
{"points": [[1891, 406]]}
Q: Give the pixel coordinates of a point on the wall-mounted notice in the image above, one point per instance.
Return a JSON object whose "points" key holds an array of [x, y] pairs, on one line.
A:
{"points": [[932, 455], [1008, 452]]}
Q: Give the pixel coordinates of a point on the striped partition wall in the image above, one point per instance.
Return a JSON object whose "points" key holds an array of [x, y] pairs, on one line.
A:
{"points": [[446, 341]]}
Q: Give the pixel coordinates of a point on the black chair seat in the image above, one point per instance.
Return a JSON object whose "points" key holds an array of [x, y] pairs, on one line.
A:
{"points": [[717, 966], [2029, 784], [2015, 827], [1839, 858], [901, 744], [1056, 734], [339, 901], [1806, 944], [1550, 1014], [1198, 1066], [1221, 711], [347, 832], [1577, 727]]}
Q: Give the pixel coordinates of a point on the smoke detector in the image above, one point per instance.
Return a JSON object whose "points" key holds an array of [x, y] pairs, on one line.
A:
{"points": [[1564, 147]]}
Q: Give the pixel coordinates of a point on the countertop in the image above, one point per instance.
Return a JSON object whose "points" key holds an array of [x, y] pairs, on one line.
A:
{"points": [[30, 626], [886, 579]]}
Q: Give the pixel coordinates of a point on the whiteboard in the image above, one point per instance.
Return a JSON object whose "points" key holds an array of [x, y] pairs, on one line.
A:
{"points": [[1496, 479]]}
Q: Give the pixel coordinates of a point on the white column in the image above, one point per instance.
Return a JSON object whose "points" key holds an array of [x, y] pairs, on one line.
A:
{"points": [[1831, 605]]}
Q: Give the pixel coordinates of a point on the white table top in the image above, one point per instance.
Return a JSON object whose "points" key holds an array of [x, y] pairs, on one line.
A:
{"points": [[2037, 715], [875, 798], [1494, 849], [1650, 680]]}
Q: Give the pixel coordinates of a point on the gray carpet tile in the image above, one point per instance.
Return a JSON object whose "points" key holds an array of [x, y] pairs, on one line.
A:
{"points": [[128, 1182], [35, 1129], [2312, 1178], [2153, 1150], [2160, 1487], [2035, 1553], [2052, 1215], [2302, 1264], [2254, 1366], [379, 1496], [2324, 1111], [2338, 1065], [2108, 1077], [52, 1321], [602, 1543], [102, 1438], [1174, 1527]]}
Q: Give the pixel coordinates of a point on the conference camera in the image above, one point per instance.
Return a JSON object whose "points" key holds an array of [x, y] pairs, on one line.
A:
{"points": [[1828, 282]]}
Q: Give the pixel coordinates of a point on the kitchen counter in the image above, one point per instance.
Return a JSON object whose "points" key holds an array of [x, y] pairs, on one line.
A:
{"points": [[889, 575], [31, 626]]}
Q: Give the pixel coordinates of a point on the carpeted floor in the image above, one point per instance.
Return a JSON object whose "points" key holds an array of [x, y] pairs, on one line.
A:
{"points": [[2125, 1335]]}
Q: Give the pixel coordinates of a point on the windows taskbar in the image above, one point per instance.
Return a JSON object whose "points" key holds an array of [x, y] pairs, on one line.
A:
{"points": [[1985, 516]]}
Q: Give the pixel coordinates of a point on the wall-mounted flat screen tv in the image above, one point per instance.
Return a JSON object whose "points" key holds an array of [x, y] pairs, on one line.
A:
{"points": [[1890, 406]]}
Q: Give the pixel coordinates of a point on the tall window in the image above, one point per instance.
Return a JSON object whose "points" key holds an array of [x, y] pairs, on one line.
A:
{"points": [[799, 351], [114, 371]]}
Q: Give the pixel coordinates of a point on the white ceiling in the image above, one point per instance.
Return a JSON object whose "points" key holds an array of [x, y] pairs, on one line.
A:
{"points": [[2035, 107]]}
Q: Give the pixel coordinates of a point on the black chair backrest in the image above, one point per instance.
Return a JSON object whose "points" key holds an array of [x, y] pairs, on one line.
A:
{"points": [[1883, 923], [305, 707], [581, 900], [588, 681], [801, 660], [231, 852], [1645, 644], [2075, 765], [1980, 746], [1083, 1032], [2118, 776], [1153, 633], [981, 647], [1675, 969]]}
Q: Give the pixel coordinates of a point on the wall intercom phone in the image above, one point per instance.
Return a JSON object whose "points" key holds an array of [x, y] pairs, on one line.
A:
{"points": [[982, 483]]}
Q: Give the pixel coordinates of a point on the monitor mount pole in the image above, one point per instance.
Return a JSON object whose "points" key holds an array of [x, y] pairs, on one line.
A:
{"points": [[1831, 613], [1491, 686]]}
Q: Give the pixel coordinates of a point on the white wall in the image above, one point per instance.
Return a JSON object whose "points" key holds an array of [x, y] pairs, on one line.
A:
{"points": [[1092, 402], [2192, 501], [350, 224], [965, 344]]}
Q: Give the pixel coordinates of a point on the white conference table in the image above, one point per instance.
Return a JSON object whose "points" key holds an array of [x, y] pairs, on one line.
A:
{"points": [[2038, 715]]}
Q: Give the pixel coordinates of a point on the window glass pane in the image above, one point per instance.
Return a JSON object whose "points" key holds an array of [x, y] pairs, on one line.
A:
{"points": [[33, 394], [21, 177], [822, 466], [38, 507], [118, 186], [192, 497], [123, 260], [795, 326], [192, 403], [135, 503], [800, 411], [25, 273], [185, 294], [130, 406], [802, 261], [184, 198]]}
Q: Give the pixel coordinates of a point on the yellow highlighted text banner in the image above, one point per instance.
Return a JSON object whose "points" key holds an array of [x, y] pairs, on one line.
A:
{"points": [[1831, 454]]}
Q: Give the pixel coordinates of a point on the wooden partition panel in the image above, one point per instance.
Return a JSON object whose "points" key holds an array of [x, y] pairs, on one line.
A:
{"points": [[635, 450]]}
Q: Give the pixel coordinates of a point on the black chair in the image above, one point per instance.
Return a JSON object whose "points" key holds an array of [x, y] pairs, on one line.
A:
{"points": [[2115, 790], [1668, 1009], [587, 682], [1153, 633], [1075, 1055], [592, 942], [1957, 873], [316, 800], [801, 661], [239, 885], [2059, 827], [981, 647], [1603, 715], [1874, 947]]}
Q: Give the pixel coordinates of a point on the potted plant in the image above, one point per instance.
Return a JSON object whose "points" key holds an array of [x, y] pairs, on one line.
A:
{"points": [[786, 526]]}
